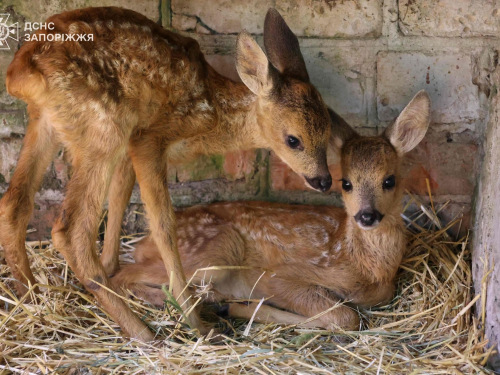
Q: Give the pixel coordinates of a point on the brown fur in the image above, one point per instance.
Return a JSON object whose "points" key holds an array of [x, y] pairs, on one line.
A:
{"points": [[304, 259], [140, 96]]}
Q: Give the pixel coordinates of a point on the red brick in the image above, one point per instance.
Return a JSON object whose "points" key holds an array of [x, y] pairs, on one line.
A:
{"points": [[45, 214], [282, 177], [449, 166], [239, 164], [415, 180], [62, 170]]}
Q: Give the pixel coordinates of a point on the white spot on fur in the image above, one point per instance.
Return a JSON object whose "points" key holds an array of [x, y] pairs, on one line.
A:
{"points": [[203, 106], [276, 225], [334, 223], [207, 220], [211, 232]]}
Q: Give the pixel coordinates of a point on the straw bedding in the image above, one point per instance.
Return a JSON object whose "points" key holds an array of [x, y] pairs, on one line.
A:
{"points": [[428, 328]]}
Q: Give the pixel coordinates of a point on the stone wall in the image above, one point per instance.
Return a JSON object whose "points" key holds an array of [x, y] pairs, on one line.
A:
{"points": [[486, 230], [367, 58]]}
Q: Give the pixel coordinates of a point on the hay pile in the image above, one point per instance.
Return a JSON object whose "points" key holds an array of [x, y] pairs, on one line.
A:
{"points": [[428, 327]]}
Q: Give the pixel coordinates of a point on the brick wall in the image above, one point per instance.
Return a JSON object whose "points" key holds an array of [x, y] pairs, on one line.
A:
{"points": [[367, 58]]}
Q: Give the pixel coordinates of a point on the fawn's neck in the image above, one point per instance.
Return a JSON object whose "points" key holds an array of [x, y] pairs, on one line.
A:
{"points": [[237, 115], [378, 251], [235, 122]]}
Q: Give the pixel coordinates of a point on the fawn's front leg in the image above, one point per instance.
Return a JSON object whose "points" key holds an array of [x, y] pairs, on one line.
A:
{"points": [[297, 296], [149, 162], [267, 314], [309, 300], [340, 317]]}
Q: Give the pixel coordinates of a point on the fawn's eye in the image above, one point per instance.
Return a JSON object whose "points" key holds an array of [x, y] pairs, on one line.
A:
{"points": [[292, 142], [389, 182], [346, 185]]}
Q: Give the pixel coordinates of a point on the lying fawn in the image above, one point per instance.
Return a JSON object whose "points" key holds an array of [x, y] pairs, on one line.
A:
{"points": [[126, 103], [313, 256]]}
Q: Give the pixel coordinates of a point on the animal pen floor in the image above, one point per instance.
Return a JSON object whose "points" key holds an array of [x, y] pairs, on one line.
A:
{"points": [[427, 328]]}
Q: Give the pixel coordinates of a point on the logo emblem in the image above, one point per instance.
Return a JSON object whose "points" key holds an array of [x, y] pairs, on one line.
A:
{"points": [[8, 33]]}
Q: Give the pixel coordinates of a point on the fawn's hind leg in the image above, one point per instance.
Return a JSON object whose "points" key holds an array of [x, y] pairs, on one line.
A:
{"points": [[76, 230], [16, 206], [120, 190]]}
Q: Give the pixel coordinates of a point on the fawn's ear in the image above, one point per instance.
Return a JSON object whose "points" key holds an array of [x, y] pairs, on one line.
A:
{"points": [[252, 64], [411, 125], [341, 132], [282, 47]]}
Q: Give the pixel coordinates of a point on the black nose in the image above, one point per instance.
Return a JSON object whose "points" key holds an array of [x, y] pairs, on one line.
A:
{"points": [[368, 217], [320, 183]]}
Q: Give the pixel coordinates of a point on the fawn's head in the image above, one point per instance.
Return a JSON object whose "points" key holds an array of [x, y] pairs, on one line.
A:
{"points": [[292, 118], [371, 183]]}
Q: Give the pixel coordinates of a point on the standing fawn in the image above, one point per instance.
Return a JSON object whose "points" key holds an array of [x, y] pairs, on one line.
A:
{"points": [[126, 103], [303, 259]]}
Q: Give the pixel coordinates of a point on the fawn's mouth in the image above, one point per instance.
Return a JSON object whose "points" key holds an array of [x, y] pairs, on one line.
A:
{"points": [[371, 227], [321, 183]]}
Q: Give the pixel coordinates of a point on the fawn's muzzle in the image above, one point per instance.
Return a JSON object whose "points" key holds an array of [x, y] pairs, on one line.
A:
{"points": [[368, 218], [320, 183]]}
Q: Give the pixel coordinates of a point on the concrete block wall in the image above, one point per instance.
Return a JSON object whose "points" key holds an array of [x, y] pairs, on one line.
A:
{"points": [[366, 57]]}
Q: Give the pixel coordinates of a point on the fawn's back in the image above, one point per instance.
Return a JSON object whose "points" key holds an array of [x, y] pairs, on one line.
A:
{"points": [[131, 69]]}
